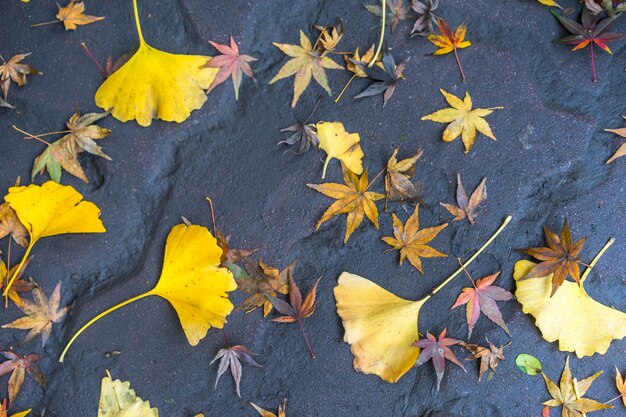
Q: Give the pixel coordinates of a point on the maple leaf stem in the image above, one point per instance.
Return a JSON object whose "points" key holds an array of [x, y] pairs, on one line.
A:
{"points": [[93, 58], [466, 271], [38, 137], [614, 399], [458, 63], [212, 216], [15, 274], [593, 62], [98, 317], [375, 178], [382, 34], [45, 23], [306, 338], [606, 246], [317, 103], [345, 88], [225, 337], [470, 260]]}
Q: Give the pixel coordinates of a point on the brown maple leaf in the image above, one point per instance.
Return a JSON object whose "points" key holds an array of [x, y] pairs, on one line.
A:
{"points": [[73, 15], [560, 257], [10, 225], [303, 135], [40, 315], [231, 358], [19, 285], [231, 64], [489, 356], [262, 281], [438, 350], [398, 185], [297, 309], [14, 70], [621, 151], [398, 11], [620, 384], [467, 207], [19, 366], [329, 37], [265, 413], [232, 255], [412, 242]]}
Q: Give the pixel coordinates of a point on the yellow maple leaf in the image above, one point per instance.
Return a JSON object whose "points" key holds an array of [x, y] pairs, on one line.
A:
{"points": [[156, 84], [450, 41], [73, 15], [118, 399], [51, 209], [191, 280], [578, 322], [550, 3], [339, 144], [463, 120]]}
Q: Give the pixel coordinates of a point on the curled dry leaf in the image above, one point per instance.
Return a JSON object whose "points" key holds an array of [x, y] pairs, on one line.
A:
{"points": [[467, 207], [118, 399], [10, 225], [303, 135], [385, 78], [19, 366], [14, 70], [340, 144], [231, 358], [489, 356], [450, 41], [265, 413], [232, 255], [263, 281], [329, 37], [398, 11], [231, 64], [426, 22], [621, 151], [73, 15], [438, 350], [398, 185]]}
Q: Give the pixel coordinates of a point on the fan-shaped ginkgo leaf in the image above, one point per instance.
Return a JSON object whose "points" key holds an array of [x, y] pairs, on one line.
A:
{"points": [[156, 84], [193, 282], [578, 322], [118, 399], [338, 143]]}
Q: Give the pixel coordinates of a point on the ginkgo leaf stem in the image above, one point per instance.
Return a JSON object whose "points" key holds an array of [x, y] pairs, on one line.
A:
{"points": [[469, 261], [17, 271], [306, 338], [593, 62], [137, 23], [382, 34], [93, 58], [45, 23], [458, 63], [328, 158], [98, 317], [345, 88], [606, 246]]}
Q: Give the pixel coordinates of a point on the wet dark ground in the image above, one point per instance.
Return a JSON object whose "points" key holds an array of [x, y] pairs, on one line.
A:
{"points": [[547, 164]]}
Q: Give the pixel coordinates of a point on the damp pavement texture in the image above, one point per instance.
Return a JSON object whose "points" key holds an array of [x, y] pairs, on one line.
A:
{"points": [[547, 164]]}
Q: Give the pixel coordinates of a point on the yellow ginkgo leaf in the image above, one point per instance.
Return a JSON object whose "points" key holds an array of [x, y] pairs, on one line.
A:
{"points": [[191, 280], [156, 84], [379, 326], [51, 209], [118, 399], [337, 143], [578, 322]]}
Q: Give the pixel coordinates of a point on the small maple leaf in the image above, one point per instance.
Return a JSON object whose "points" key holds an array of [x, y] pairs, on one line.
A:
{"points": [[265, 413], [450, 41], [329, 37], [560, 257], [438, 351], [352, 198], [304, 63], [303, 135], [297, 309], [40, 315], [467, 207], [231, 358], [10, 225], [356, 63], [482, 297], [412, 242], [489, 356], [19, 285], [232, 255], [569, 394], [463, 120], [14, 70], [398, 185], [261, 281], [73, 15], [385, 79], [621, 151], [620, 384], [424, 25], [19, 366], [63, 153], [591, 31], [230, 64], [398, 11]]}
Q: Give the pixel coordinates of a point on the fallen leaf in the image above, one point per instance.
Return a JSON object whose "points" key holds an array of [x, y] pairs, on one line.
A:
{"points": [[620, 384], [489, 356], [118, 399], [621, 151], [156, 84], [352, 198], [482, 297], [385, 79], [40, 315], [263, 281], [412, 242], [545, 412], [304, 63], [467, 207], [232, 255], [231, 358], [398, 11], [569, 394], [425, 24], [73, 15], [7, 105], [303, 135], [450, 41], [559, 259], [265, 413], [10, 225], [19, 285], [4, 411], [578, 322], [19, 366], [550, 3], [340, 144], [356, 63], [528, 364], [398, 185], [463, 121], [438, 351], [14, 70], [231, 64], [329, 37]]}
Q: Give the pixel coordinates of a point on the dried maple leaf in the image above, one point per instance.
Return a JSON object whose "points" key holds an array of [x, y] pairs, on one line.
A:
{"points": [[329, 37], [303, 135], [621, 151], [353, 199], [620, 384], [424, 25], [398, 11], [232, 255], [340, 144], [263, 281], [231, 358], [265, 413], [356, 63], [304, 63], [63, 153], [489, 357], [19, 285], [118, 399], [569, 394], [10, 225], [6, 104], [412, 242], [4, 411], [450, 41], [14, 70], [297, 309], [231, 64], [463, 120], [591, 31], [385, 79], [73, 15], [560, 257], [467, 207], [398, 185], [40, 315], [19, 366], [438, 350]]}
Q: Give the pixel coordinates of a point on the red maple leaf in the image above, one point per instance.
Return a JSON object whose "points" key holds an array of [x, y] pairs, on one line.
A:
{"points": [[231, 64], [438, 351]]}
